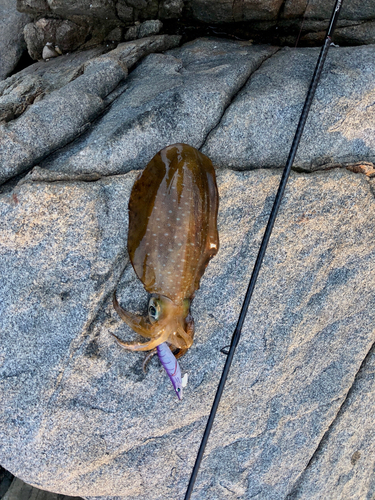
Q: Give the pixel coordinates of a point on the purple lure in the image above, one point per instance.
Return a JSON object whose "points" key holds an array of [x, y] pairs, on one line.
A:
{"points": [[171, 366]]}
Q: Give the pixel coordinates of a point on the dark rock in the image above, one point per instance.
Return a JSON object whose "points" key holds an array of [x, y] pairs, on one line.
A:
{"points": [[169, 9], [66, 34], [151, 27], [227, 11], [19, 490], [116, 35], [322, 9], [102, 9], [33, 7], [143, 30], [110, 14], [144, 9], [12, 43], [353, 34], [133, 32], [356, 35], [124, 12]]}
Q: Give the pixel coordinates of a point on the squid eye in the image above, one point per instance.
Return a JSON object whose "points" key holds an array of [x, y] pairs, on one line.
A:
{"points": [[153, 312]]}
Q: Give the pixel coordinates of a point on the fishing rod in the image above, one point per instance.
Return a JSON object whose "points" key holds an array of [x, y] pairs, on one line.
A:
{"points": [[271, 221]]}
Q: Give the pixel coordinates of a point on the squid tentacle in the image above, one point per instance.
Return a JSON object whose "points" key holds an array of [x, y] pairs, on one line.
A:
{"points": [[147, 359], [162, 336], [138, 323]]}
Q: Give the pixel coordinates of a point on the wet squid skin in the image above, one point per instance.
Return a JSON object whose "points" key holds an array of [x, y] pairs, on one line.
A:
{"points": [[172, 237]]}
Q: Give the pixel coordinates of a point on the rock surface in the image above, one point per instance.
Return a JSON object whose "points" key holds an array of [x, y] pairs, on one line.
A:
{"points": [[222, 11], [12, 43], [345, 458], [75, 93], [78, 416], [165, 103], [56, 119], [357, 35], [225, 11], [239, 103], [40, 79], [322, 9], [170, 98], [258, 128]]}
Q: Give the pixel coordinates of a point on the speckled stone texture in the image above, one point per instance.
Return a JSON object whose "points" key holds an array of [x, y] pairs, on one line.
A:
{"points": [[239, 103], [258, 128], [175, 97], [81, 91], [78, 416], [31, 84], [345, 458]]}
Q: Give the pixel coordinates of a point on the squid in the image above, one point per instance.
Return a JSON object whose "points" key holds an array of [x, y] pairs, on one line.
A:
{"points": [[172, 237]]}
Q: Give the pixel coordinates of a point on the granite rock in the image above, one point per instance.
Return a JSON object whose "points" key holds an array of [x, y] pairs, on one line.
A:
{"points": [[74, 90], [239, 103], [57, 119], [142, 30], [89, 23], [39, 79], [12, 43], [226, 11], [124, 12], [104, 20], [78, 416], [69, 9], [258, 128], [175, 97], [101, 11], [344, 461], [347, 33], [222, 11], [129, 53], [132, 33]]}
